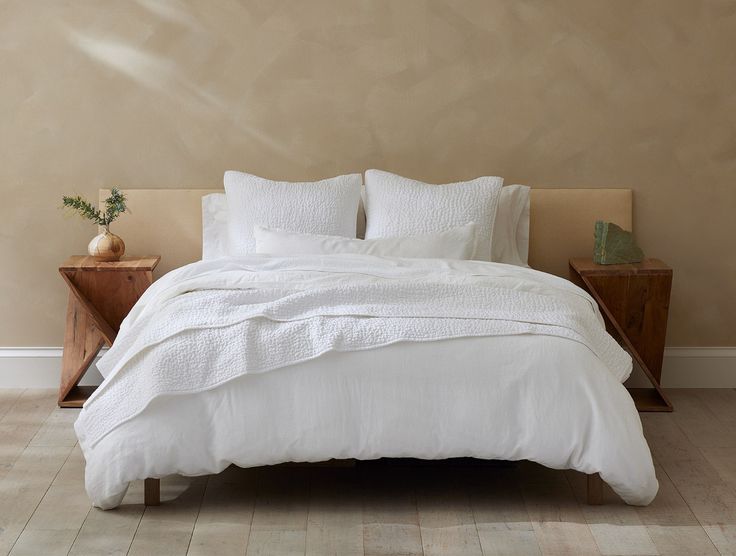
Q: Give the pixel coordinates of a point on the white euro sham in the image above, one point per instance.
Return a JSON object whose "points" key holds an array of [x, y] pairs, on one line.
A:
{"points": [[215, 230], [397, 206], [456, 243], [328, 206], [511, 227]]}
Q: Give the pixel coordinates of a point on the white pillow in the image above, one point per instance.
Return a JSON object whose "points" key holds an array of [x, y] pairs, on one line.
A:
{"points": [[456, 243], [398, 206], [215, 230], [322, 207], [511, 228]]}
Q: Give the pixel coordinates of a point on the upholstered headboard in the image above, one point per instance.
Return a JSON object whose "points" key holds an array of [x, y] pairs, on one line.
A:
{"points": [[168, 222]]}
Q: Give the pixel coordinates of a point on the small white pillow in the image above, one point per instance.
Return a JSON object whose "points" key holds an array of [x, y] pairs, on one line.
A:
{"points": [[457, 243], [398, 206], [327, 206], [511, 228]]}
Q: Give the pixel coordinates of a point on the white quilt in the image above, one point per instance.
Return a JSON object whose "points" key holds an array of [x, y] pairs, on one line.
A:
{"points": [[204, 327]]}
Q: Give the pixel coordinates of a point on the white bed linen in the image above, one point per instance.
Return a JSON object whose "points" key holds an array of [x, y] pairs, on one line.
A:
{"points": [[593, 428]]}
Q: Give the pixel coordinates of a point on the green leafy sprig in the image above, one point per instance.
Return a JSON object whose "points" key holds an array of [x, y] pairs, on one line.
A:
{"points": [[114, 207]]}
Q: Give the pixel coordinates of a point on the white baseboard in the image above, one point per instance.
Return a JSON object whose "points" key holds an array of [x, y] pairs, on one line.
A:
{"points": [[37, 367], [694, 367], [705, 367]]}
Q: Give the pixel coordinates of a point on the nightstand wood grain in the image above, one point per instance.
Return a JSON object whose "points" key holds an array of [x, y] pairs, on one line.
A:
{"points": [[100, 296], [634, 299]]}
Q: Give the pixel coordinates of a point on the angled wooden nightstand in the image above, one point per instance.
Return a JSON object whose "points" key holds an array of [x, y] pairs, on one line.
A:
{"points": [[634, 299], [100, 296]]}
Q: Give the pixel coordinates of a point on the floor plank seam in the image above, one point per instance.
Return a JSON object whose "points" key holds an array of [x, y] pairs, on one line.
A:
{"points": [[35, 432], [475, 521], [71, 547], [419, 523], [12, 405], [692, 511], [138, 525], [309, 509], [582, 513], [362, 504], [250, 522], [35, 509], [728, 484], [256, 495], [199, 510]]}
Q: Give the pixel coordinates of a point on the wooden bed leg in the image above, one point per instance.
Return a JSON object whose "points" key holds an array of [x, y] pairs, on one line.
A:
{"points": [[152, 492], [595, 490]]}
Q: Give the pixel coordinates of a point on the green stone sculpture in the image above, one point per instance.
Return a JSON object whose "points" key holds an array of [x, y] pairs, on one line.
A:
{"points": [[614, 245]]}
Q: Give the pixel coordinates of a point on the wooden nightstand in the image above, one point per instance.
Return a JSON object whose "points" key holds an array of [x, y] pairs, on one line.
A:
{"points": [[634, 299], [100, 296]]}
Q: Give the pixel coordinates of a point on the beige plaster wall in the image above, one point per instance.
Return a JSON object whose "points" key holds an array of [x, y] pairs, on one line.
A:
{"points": [[169, 93]]}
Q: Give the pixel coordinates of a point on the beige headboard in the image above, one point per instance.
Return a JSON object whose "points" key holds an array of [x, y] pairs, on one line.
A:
{"points": [[168, 222]]}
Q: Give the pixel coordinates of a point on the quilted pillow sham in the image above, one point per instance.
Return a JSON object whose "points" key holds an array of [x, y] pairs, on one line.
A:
{"points": [[511, 227], [327, 206], [397, 206], [215, 231], [456, 243]]}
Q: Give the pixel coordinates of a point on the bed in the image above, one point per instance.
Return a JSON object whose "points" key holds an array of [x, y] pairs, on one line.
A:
{"points": [[477, 359]]}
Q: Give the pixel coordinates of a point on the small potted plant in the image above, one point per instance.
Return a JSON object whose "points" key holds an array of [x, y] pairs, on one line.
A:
{"points": [[105, 246]]}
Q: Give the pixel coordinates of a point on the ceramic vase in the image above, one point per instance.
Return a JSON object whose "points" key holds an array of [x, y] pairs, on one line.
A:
{"points": [[106, 247]]}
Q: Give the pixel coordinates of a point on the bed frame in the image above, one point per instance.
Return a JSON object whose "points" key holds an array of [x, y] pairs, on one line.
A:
{"points": [[169, 222]]}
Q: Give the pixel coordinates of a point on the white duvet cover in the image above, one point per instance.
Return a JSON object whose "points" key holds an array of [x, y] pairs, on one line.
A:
{"points": [[261, 360]]}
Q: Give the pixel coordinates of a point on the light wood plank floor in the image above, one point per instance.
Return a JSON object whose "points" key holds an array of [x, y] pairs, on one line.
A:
{"points": [[378, 508]]}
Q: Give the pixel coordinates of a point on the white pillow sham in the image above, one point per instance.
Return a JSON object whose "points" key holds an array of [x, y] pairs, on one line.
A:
{"points": [[456, 243], [511, 227], [327, 206], [510, 230], [214, 226], [397, 206]]}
